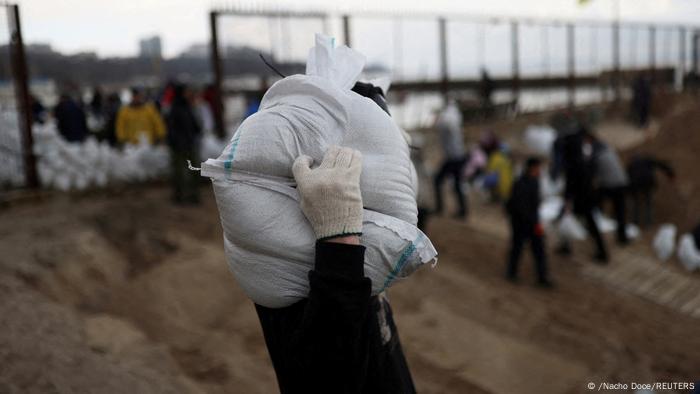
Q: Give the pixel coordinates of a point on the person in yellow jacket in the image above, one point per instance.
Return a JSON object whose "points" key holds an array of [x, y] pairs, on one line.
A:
{"points": [[500, 168], [139, 117]]}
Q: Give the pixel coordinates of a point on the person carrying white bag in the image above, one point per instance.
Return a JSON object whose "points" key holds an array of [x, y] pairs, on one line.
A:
{"points": [[341, 339], [317, 198]]}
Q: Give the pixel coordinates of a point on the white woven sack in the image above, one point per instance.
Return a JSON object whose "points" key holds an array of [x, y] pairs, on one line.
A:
{"points": [[269, 243], [664, 241], [689, 253]]}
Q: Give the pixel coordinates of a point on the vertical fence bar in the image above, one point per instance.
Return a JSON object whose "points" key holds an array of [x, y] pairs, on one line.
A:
{"points": [[571, 63], [681, 57], [515, 58], [442, 25], [21, 83], [695, 67], [218, 111], [652, 51], [616, 60], [346, 30]]}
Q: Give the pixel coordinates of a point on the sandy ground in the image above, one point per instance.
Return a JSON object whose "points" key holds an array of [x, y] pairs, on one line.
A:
{"points": [[125, 292]]}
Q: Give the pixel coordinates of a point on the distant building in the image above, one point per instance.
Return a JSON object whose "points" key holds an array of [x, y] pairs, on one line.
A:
{"points": [[151, 48], [196, 51]]}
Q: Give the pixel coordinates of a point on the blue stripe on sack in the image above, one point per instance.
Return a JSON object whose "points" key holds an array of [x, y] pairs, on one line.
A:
{"points": [[400, 263], [234, 145]]}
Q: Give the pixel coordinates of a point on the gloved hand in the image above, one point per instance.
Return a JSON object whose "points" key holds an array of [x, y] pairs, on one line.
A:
{"points": [[330, 193]]}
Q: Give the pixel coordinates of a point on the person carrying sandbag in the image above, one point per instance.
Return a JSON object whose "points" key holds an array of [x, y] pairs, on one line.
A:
{"points": [[340, 339], [317, 248]]}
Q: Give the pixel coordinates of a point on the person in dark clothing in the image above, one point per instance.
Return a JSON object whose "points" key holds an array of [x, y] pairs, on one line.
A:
{"points": [[523, 209], [183, 139], [97, 103], [449, 127], [112, 106], [642, 183], [486, 87], [70, 119], [579, 151], [641, 100], [696, 235], [340, 339], [38, 110]]}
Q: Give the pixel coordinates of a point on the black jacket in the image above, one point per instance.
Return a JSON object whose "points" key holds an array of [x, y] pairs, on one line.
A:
{"points": [[70, 119], [641, 172], [183, 126], [341, 339], [524, 203]]}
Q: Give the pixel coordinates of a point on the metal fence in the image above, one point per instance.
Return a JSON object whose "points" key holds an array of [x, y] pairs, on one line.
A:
{"points": [[585, 61], [17, 162]]}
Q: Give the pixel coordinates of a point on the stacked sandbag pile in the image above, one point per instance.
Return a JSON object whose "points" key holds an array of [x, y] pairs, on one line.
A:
{"points": [[77, 166], [269, 243], [10, 150]]}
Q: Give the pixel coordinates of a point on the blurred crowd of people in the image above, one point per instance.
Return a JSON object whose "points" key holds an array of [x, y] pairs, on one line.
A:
{"points": [[593, 175], [176, 115]]}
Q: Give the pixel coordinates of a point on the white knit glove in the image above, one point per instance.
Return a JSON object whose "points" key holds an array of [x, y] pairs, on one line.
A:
{"points": [[330, 193]]}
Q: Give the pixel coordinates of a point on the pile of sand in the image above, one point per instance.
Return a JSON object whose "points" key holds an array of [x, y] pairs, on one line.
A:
{"points": [[678, 142]]}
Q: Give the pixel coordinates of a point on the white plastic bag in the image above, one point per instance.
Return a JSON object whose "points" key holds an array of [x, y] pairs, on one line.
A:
{"points": [[269, 244], [570, 228], [539, 139], [689, 253], [664, 241]]}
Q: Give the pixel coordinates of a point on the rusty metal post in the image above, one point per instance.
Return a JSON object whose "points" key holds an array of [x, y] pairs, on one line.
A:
{"points": [[218, 111], [346, 30], [571, 63], [616, 60], [515, 58], [442, 25], [652, 50], [695, 45], [21, 84], [682, 47]]}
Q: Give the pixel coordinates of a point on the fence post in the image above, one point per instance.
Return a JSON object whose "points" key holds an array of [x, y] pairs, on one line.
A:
{"points": [[218, 111], [21, 83], [652, 51], [695, 67], [616, 61], [682, 48], [515, 58], [571, 63], [442, 25], [346, 30]]}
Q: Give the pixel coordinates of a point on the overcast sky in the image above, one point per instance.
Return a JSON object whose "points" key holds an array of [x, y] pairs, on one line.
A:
{"points": [[113, 27]]}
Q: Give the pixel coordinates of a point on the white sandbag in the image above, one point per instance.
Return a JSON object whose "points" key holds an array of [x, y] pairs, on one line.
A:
{"points": [[539, 139], [570, 228], [665, 241], [550, 208], [269, 243], [689, 253]]}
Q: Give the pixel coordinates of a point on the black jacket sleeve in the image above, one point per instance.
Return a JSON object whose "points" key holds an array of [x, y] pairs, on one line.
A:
{"points": [[333, 338], [664, 167], [322, 344]]}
